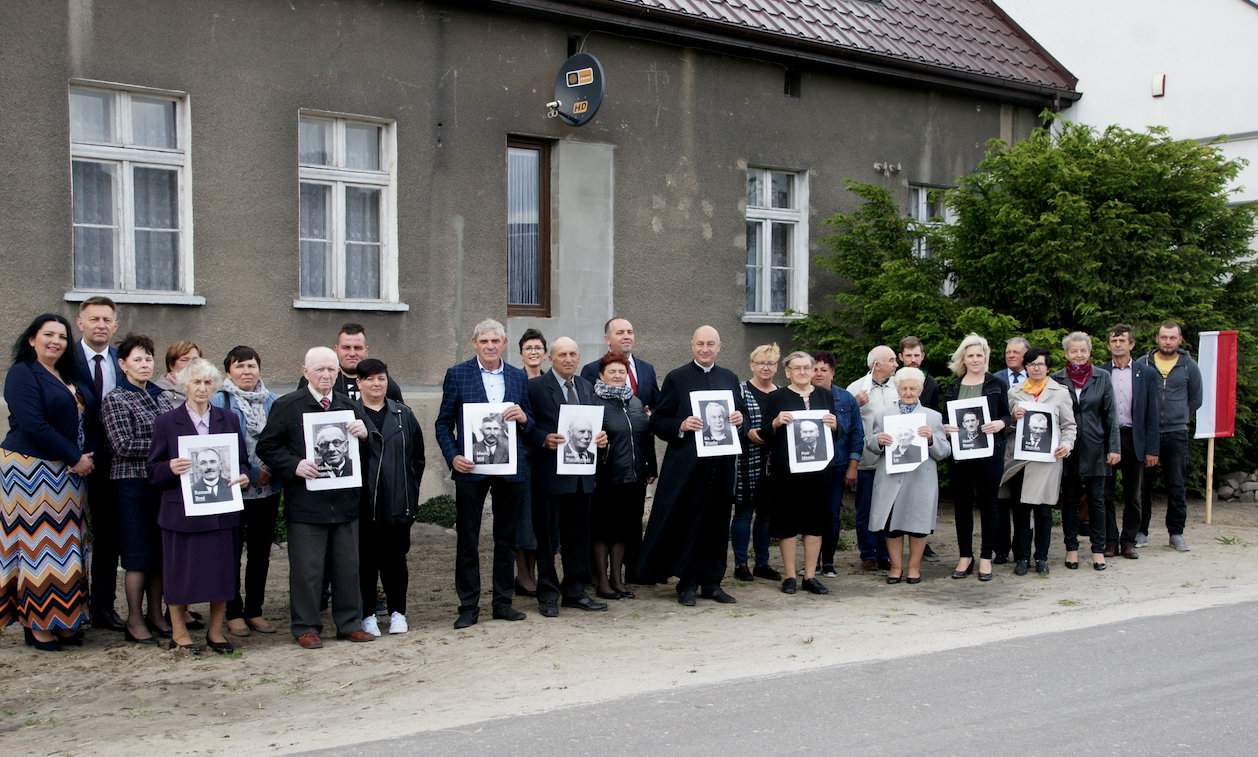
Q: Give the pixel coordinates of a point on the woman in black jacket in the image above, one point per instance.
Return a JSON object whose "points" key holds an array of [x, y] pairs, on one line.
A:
{"points": [[625, 467], [390, 497], [978, 479]]}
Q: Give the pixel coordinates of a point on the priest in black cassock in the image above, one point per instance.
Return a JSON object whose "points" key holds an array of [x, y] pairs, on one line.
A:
{"points": [[688, 532]]}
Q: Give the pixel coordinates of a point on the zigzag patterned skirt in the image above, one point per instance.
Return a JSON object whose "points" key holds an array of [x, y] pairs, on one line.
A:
{"points": [[41, 544]]}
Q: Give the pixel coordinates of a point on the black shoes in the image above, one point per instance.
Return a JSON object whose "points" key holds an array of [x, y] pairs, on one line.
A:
{"points": [[814, 586], [686, 597], [984, 577], [930, 555], [959, 574], [1020, 567], [110, 621], [765, 572], [507, 612], [584, 603], [894, 579], [126, 634], [1000, 559], [548, 610], [520, 591], [219, 647], [1070, 565], [742, 573], [718, 595], [1041, 567], [1099, 566], [44, 646], [884, 565], [788, 586], [466, 619], [912, 579]]}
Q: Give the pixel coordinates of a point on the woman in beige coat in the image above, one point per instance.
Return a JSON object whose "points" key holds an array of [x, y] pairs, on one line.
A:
{"points": [[1036, 485]]}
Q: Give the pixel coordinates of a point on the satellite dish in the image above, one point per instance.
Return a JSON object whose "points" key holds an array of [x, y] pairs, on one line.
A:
{"points": [[578, 90]]}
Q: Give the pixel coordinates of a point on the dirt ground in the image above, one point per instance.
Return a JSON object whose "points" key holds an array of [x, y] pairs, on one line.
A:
{"points": [[273, 697]]}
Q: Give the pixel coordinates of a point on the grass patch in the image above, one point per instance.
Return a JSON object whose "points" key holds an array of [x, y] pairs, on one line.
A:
{"points": [[439, 511], [1069, 603], [1229, 541]]}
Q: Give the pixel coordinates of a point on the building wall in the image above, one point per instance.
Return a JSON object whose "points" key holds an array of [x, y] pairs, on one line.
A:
{"points": [[648, 198]]}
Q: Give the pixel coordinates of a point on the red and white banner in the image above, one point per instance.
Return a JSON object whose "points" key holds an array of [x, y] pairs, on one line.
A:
{"points": [[1217, 358]]}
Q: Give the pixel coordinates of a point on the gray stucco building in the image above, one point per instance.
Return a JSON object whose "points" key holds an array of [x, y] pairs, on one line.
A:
{"points": [[250, 171]]}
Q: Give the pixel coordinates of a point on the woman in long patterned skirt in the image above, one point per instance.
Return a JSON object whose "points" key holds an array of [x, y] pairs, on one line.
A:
{"points": [[42, 464]]}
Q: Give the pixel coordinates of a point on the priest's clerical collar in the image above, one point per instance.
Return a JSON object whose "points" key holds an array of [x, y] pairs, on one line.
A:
{"points": [[707, 369]]}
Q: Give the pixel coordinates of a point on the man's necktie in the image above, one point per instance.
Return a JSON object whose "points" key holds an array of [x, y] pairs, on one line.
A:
{"points": [[325, 403], [569, 393], [633, 381], [98, 376]]}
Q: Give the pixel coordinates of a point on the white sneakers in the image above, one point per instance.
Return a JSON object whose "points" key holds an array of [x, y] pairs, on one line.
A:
{"points": [[397, 623], [371, 626]]}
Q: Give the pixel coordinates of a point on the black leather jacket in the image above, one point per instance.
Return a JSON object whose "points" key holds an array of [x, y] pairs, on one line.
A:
{"points": [[630, 452], [394, 467]]}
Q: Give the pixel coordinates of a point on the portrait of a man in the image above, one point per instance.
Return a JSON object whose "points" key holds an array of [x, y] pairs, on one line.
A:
{"points": [[716, 425], [209, 483], [1038, 436], [331, 447], [970, 436], [905, 452], [580, 435], [808, 441], [491, 447]]}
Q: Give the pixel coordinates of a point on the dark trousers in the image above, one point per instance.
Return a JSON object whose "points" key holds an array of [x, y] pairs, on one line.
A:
{"points": [[872, 545], [1022, 530], [103, 512], [1173, 463], [309, 545], [975, 482], [569, 516], [382, 549], [829, 537], [743, 529], [705, 544], [1075, 486], [1131, 468], [469, 500], [255, 543], [1002, 540]]}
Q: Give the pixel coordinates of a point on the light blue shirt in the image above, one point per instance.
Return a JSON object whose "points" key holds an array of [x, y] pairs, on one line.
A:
{"points": [[1016, 378], [494, 381], [108, 380]]}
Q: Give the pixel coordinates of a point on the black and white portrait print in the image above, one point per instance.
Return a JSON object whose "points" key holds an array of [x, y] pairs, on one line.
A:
{"points": [[969, 441], [210, 476], [206, 487], [717, 430], [1037, 433], [579, 425], [809, 445], [489, 439], [332, 449], [908, 448], [719, 436]]}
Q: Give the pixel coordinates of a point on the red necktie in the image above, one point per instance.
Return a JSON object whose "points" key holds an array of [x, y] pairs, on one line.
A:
{"points": [[325, 403], [633, 381]]}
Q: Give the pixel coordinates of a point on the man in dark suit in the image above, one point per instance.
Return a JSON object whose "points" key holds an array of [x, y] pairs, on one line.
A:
{"points": [[323, 524], [561, 504], [97, 363], [209, 485], [1013, 374], [484, 378], [619, 335], [351, 348], [1037, 438], [331, 448], [716, 429], [807, 436], [576, 450], [1137, 403], [491, 447]]}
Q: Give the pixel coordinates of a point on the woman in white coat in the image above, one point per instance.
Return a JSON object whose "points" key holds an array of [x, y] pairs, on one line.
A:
{"points": [[1036, 485], [905, 504]]}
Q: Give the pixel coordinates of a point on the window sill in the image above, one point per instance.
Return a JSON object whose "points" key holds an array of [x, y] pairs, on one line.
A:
{"points": [[137, 298], [772, 317], [385, 307]]}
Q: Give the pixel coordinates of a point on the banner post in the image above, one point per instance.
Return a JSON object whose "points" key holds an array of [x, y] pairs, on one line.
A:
{"points": [[1210, 481]]}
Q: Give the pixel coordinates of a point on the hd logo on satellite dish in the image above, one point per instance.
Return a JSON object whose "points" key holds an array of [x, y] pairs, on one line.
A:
{"points": [[578, 90]]}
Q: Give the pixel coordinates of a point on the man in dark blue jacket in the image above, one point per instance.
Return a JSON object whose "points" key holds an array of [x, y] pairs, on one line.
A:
{"points": [[1136, 401], [620, 338], [1179, 396], [484, 378]]}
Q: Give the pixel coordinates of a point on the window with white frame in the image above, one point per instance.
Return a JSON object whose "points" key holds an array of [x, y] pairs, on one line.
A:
{"points": [[777, 242], [347, 227], [130, 183], [927, 207]]}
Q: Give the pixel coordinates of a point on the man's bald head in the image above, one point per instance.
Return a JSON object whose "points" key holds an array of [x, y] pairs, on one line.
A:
{"points": [[705, 345], [320, 367], [881, 361], [564, 356]]}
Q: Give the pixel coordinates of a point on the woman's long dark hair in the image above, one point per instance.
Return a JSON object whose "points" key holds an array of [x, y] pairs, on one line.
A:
{"points": [[23, 352]]}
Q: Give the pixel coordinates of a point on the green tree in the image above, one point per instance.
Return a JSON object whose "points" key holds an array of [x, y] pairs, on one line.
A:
{"points": [[1070, 229]]}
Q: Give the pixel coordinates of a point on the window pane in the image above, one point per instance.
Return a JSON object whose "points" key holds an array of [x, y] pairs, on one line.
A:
{"points": [[314, 141], [93, 192], [153, 122], [313, 230], [362, 271], [783, 190], [362, 146], [157, 260], [753, 189], [91, 116], [781, 243], [94, 258], [362, 214], [523, 232], [780, 280], [753, 266], [156, 198]]}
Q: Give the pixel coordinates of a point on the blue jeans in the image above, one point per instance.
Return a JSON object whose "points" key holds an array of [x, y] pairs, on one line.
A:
{"points": [[741, 529], [830, 539], [871, 543]]}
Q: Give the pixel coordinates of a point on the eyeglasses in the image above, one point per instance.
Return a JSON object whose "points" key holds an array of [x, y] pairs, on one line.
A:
{"points": [[534, 348], [1041, 366], [764, 363]]}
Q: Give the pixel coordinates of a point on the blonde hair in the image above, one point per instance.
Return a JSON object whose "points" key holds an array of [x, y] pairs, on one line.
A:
{"points": [[957, 363], [769, 352]]}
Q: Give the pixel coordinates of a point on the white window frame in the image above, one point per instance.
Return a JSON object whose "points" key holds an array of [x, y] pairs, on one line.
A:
{"points": [[126, 157], [339, 178], [797, 295], [919, 211]]}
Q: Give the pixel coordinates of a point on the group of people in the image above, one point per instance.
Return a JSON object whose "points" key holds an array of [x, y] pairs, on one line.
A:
{"points": [[91, 425]]}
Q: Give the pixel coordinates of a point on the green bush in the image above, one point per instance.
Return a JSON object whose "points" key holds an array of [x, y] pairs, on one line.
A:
{"points": [[439, 510]]}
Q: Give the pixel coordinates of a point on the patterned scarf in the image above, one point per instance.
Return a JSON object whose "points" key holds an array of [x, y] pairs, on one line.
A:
{"points": [[252, 405], [607, 392], [907, 409], [1079, 374]]}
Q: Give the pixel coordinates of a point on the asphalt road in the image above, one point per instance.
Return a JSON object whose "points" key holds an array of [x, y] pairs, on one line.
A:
{"points": [[1173, 685]]}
